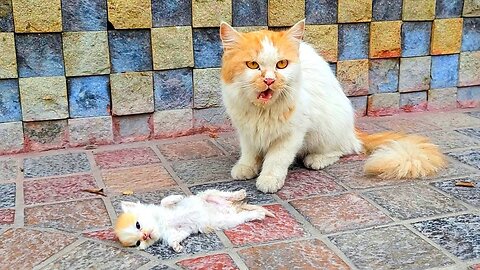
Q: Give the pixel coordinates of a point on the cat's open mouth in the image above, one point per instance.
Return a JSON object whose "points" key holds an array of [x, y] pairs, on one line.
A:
{"points": [[266, 95]]}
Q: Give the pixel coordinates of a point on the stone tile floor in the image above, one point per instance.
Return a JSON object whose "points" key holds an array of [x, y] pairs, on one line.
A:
{"points": [[330, 219]]}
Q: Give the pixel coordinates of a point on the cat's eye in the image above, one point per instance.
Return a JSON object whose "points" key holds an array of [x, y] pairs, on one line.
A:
{"points": [[137, 225], [282, 64], [252, 65], [138, 242]]}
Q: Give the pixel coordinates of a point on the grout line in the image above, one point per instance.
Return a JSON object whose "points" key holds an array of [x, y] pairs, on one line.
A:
{"points": [[59, 254], [19, 219]]}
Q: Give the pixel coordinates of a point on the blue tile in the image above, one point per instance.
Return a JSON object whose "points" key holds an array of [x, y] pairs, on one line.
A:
{"points": [[88, 96], [10, 109], [383, 76], [130, 50], [413, 99], [321, 11], [84, 15], [387, 10], [471, 93], [6, 16], [471, 34], [448, 8], [353, 41], [333, 66], [7, 199], [444, 71], [416, 38], [173, 89], [39, 55], [207, 47], [171, 13], [249, 12]]}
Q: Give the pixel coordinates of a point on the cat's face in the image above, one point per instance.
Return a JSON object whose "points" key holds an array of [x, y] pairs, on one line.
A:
{"points": [[261, 66], [136, 227]]}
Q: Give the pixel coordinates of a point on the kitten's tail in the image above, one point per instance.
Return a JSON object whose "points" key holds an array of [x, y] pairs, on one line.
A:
{"points": [[395, 155]]}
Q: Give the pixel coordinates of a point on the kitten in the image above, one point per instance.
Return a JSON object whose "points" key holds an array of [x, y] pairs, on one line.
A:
{"points": [[177, 217], [285, 102]]}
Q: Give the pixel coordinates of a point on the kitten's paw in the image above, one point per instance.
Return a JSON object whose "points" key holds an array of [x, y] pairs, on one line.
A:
{"points": [[244, 172], [177, 247], [317, 161], [269, 184], [239, 195]]}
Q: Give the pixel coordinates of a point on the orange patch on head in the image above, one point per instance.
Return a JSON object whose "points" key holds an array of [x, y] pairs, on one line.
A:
{"points": [[124, 221]]}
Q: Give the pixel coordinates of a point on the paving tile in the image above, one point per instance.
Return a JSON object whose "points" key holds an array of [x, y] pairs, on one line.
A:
{"points": [[382, 104], [469, 66], [107, 235], [387, 10], [151, 197], [130, 14], [12, 134], [197, 243], [202, 15], [353, 41], [7, 216], [471, 8], [8, 61], [91, 254], [283, 226], [31, 51], [125, 157], [383, 75], [448, 8], [474, 267], [455, 169], [90, 131], [442, 99], [414, 74], [45, 135], [277, 8], [450, 120], [218, 261], [6, 21], [249, 12], [173, 89], [212, 118], [166, 40], [460, 235], [41, 245], [171, 13], [69, 216], [55, 165], [370, 127], [449, 140], [172, 123], [35, 16], [304, 183], [230, 143], [467, 194], [10, 108], [414, 101], [353, 76], [132, 93], [189, 150], [359, 105], [254, 196], [206, 94], [444, 71], [8, 195], [389, 248], [142, 178], [88, 96], [471, 34], [446, 36], [84, 15], [468, 97], [407, 202], [130, 50], [324, 39], [58, 189], [469, 157], [207, 48], [8, 170], [405, 125], [130, 128], [162, 267], [354, 11], [338, 213], [385, 39], [203, 170], [418, 10], [416, 38], [306, 254], [471, 132]]}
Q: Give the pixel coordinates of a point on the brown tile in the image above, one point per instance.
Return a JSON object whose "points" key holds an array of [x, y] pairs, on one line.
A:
{"points": [[189, 150], [218, 261], [125, 158], [340, 213], [145, 178], [7, 216], [307, 254]]}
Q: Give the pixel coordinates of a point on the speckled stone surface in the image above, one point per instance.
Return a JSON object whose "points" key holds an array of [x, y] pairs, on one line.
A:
{"points": [[172, 122], [413, 201], [414, 74], [189, 150], [166, 40], [8, 195], [130, 14], [173, 89], [353, 76], [231, 144], [196, 243], [304, 183], [469, 157], [471, 34], [84, 15], [203, 170], [207, 91], [471, 132], [6, 20], [416, 38], [91, 130], [307, 254], [444, 71], [249, 12], [10, 108], [132, 93], [324, 39], [88, 96], [107, 234], [12, 133], [339, 213], [353, 41], [218, 261], [207, 47], [466, 194], [130, 50], [41, 245], [460, 235], [448, 8], [125, 158], [8, 62], [35, 16], [449, 139], [58, 189], [469, 66], [132, 127], [7, 216], [171, 13], [46, 134], [69, 216], [413, 102], [8, 169], [387, 10], [451, 120], [55, 165], [389, 248], [383, 75], [154, 197], [91, 254]]}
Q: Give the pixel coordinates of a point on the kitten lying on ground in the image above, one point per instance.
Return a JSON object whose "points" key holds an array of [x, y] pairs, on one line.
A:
{"points": [[285, 102], [177, 217]]}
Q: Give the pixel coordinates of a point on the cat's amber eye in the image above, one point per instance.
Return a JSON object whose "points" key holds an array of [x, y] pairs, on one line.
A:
{"points": [[138, 243], [282, 64], [137, 225], [252, 64]]}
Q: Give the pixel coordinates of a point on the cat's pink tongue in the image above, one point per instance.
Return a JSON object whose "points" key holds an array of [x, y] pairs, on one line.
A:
{"points": [[265, 95]]}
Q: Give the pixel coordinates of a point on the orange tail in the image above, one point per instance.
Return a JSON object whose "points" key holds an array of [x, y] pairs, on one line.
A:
{"points": [[395, 155]]}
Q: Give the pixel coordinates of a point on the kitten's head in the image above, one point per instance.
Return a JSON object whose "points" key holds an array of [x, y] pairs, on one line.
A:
{"points": [[136, 226], [263, 66]]}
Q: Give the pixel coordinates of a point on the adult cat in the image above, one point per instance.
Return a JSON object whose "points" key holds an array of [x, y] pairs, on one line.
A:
{"points": [[284, 101]]}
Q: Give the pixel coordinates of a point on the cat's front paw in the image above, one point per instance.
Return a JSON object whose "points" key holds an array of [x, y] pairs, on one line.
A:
{"points": [[269, 184], [177, 247], [244, 172]]}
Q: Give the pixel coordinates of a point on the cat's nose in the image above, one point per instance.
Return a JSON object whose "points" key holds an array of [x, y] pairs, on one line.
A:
{"points": [[146, 236], [269, 81]]}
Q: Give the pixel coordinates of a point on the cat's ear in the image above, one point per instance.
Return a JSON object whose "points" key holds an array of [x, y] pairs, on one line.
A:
{"points": [[228, 35], [128, 207], [298, 30]]}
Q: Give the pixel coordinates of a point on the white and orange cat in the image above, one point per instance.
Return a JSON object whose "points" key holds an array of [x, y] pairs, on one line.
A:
{"points": [[177, 217], [284, 101]]}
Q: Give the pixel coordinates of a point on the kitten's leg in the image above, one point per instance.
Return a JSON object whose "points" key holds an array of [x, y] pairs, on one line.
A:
{"points": [[171, 200], [248, 166], [175, 237], [279, 157], [319, 161], [232, 196]]}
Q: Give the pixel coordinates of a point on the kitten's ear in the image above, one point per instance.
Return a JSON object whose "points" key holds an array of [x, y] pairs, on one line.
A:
{"points": [[228, 35], [297, 30], [128, 207]]}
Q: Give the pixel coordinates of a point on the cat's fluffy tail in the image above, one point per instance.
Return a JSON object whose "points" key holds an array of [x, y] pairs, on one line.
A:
{"points": [[395, 155]]}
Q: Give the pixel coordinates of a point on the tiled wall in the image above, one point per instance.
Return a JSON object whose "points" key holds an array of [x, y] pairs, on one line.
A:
{"points": [[80, 72]]}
